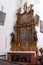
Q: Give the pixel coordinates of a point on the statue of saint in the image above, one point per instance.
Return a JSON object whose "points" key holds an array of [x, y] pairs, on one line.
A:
{"points": [[35, 36], [12, 37], [25, 6]]}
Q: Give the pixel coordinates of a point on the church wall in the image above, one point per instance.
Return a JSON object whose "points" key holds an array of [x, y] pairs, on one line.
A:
{"points": [[10, 7]]}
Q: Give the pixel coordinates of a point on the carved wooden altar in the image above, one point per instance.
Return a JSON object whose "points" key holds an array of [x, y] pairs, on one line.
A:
{"points": [[25, 33]]}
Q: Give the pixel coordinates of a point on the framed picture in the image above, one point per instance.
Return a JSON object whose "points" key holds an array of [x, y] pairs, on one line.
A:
{"points": [[24, 34], [2, 17], [41, 26], [24, 19]]}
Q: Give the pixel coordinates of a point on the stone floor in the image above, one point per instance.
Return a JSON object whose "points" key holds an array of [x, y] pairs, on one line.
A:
{"points": [[3, 62]]}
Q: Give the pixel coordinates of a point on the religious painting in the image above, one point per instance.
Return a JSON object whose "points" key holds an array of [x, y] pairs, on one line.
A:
{"points": [[2, 17], [24, 19], [41, 26], [24, 34]]}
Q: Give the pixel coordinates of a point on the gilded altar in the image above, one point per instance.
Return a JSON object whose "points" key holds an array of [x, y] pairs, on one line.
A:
{"points": [[25, 36]]}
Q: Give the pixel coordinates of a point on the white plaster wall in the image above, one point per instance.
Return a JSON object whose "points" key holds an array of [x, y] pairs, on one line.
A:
{"points": [[40, 35], [10, 7]]}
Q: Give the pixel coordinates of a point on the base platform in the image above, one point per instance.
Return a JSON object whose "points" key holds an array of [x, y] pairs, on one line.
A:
{"points": [[22, 57]]}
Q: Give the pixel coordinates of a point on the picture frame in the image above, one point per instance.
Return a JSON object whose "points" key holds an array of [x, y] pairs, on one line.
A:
{"points": [[24, 34], [41, 26], [2, 17]]}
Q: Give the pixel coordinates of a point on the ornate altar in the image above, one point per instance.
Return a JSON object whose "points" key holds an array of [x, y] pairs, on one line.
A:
{"points": [[25, 35]]}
